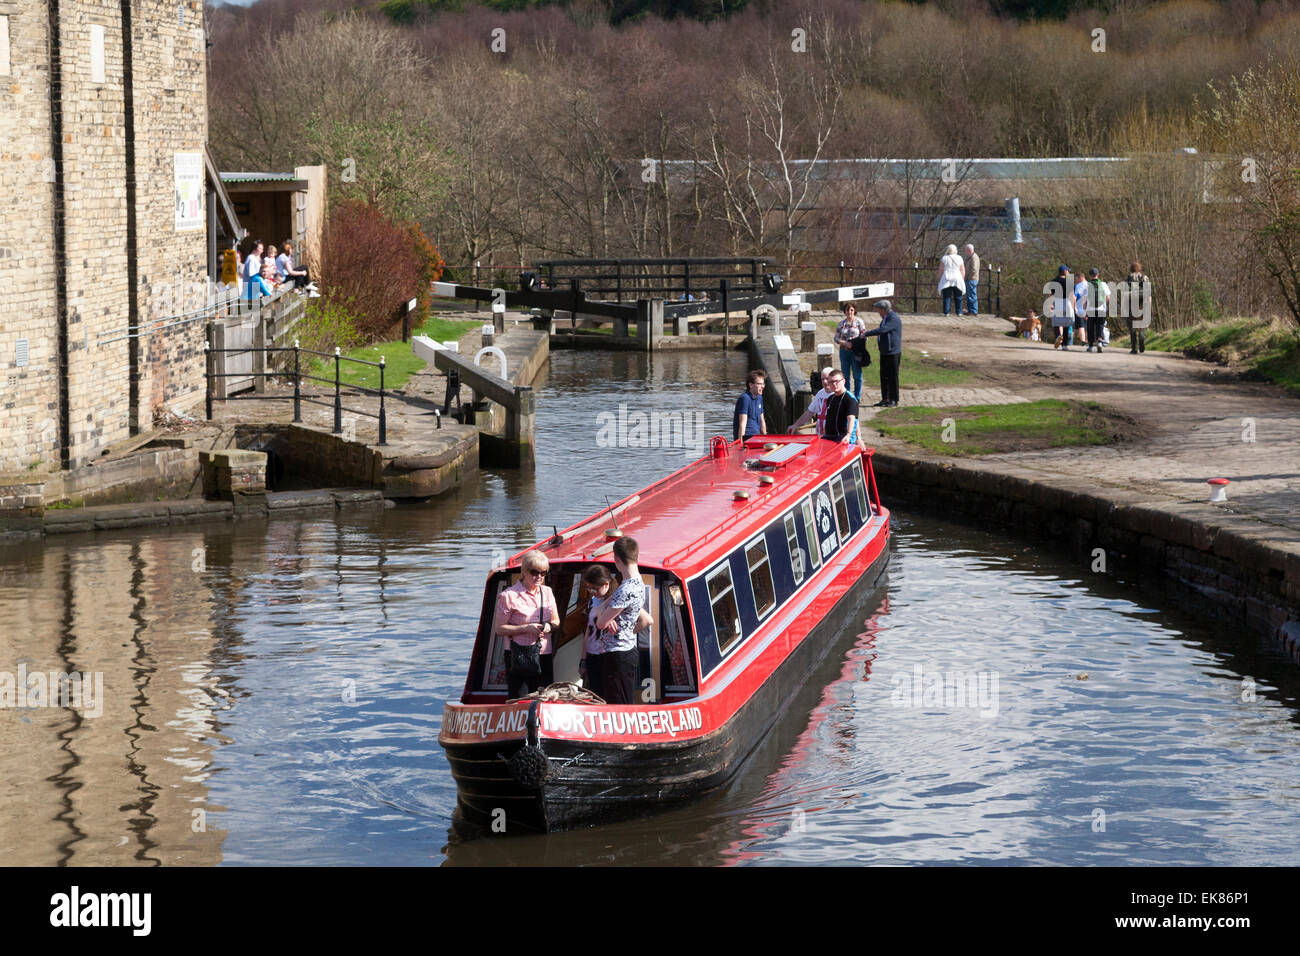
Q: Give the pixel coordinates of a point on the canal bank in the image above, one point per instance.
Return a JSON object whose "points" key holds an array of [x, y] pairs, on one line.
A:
{"points": [[1136, 510]]}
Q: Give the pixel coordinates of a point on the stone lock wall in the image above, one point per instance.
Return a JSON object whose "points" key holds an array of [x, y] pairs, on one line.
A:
{"points": [[82, 65]]}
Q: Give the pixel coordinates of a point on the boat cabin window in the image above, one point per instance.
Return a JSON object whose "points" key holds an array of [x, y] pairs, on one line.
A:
{"points": [[726, 616], [824, 525], [862, 491], [760, 577], [796, 554], [841, 509], [809, 529]]}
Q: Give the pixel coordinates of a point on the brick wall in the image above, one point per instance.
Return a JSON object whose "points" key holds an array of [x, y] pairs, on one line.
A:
{"points": [[170, 116]]}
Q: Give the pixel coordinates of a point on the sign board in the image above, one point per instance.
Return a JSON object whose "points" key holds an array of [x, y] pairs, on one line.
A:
{"points": [[229, 267], [189, 191]]}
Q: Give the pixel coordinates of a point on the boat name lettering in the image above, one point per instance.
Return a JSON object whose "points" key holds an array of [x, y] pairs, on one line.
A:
{"points": [[484, 723], [593, 722]]}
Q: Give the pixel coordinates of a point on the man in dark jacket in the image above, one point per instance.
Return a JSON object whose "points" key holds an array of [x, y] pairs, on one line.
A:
{"points": [[891, 352]]}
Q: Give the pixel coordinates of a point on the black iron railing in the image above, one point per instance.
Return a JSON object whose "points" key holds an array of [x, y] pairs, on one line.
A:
{"points": [[298, 375], [915, 288]]}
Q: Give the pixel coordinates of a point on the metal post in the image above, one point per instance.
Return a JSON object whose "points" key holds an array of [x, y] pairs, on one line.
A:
{"points": [[916, 285], [338, 396], [999, 285], [573, 315], [297, 385], [726, 313], [686, 281], [383, 420], [618, 278], [406, 323], [841, 272], [207, 366]]}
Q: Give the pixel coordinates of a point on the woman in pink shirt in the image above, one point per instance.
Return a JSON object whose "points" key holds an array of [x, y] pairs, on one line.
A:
{"points": [[526, 616]]}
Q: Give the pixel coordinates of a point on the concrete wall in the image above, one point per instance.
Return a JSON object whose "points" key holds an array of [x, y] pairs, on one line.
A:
{"points": [[98, 183]]}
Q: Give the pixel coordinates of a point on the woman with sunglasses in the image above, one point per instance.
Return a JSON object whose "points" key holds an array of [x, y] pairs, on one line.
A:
{"points": [[527, 618]]}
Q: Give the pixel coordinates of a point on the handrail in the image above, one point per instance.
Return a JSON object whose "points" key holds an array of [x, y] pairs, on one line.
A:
{"points": [[298, 375]]}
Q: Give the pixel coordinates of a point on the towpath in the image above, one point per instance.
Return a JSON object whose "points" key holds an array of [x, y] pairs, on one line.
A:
{"points": [[1200, 420]]}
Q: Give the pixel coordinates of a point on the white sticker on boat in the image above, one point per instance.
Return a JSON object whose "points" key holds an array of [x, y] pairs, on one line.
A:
{"points": [[592, 723], [825, 523]]}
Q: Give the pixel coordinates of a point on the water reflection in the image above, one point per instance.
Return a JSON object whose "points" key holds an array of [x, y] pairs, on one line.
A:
{"points": [[273, 694]]}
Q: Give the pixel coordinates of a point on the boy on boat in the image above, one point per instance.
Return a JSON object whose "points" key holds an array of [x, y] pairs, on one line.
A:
{"points": [[841, 412], [613, 670], [748, 418]]}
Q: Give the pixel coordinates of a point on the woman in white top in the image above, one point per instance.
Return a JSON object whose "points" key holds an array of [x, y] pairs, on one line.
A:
{"points": [[952, 280]]}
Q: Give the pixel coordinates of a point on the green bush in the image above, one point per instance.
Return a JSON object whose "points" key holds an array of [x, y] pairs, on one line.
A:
{"points": [[326, 325]]}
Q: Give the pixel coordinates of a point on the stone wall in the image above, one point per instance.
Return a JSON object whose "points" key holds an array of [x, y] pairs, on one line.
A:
{"points": [[92, 185], [1237, 571]]}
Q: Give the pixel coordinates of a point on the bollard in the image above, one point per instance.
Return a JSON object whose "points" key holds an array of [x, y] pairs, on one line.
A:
{"points": [[1218, 489], [825, 357], [498, 317], [383, 418], [489, 335], [297, 385], [808, 337]]}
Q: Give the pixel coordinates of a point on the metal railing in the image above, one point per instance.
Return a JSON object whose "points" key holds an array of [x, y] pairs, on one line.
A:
{"points": [[298, 397], [674, 279]]}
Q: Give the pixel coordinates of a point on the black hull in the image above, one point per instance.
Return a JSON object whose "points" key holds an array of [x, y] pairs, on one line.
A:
{"points": [[592, 782]]}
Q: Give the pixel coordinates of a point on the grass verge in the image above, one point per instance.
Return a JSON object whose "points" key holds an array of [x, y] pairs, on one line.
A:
{"points": [[400, 362], [992, 429], [1268, 349]]}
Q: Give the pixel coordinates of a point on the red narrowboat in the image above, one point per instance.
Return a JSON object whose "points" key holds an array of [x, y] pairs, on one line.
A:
{"points": [[754, 559]]}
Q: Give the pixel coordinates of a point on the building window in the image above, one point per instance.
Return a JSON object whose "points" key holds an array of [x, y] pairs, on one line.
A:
{"points": [[726, 618], [841, 509], [760, 577], [796, 554]]}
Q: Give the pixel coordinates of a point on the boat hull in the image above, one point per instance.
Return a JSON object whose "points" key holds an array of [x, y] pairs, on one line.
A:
{"points": [[600, 780]]}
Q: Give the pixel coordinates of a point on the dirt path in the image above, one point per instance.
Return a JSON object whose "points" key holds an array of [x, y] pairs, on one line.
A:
{"points": [[1199, 421]]}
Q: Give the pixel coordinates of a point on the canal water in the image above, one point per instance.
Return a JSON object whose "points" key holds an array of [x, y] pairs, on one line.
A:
{"points": [[272, 694]]}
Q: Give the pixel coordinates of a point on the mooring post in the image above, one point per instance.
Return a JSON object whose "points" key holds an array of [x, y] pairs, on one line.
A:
{"points": [[297, 385], [383, 420], [338, 396]]}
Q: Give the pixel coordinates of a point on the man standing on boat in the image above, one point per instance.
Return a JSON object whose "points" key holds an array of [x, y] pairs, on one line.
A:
{"points": [[817, 407], [748, 418], [618, 661], [891, 352], [841, 412]]}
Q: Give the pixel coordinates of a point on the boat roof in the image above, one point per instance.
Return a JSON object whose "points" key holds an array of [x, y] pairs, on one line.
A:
{"points": [[685, 521]]}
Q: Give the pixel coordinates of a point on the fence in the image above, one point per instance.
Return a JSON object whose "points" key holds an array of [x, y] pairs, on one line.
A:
{"points": [[915, 289], [293, 370]]}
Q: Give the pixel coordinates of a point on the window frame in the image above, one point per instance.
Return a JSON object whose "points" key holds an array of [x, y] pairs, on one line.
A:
{"points": [[797, 560], [864, 508], [840, 502], [810, 529], [737, 634], [761, 542]]}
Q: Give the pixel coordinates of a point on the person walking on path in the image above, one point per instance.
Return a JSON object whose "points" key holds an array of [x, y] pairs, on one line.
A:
{"points": [[1080, 310], [1098, 309], [1137, 311], [1059, 305], [971, 262], [748, 418], [952, 280], [850, 328], [891, 352]]}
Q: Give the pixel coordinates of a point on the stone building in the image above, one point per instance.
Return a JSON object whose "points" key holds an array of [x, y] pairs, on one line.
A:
{"points": [[103, 227]]}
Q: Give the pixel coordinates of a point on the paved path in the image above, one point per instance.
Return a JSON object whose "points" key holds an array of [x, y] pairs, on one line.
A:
{"points": [[1201, 421]]}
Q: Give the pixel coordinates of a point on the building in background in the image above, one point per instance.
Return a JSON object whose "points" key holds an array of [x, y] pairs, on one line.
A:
{"points": [[104, 246]]}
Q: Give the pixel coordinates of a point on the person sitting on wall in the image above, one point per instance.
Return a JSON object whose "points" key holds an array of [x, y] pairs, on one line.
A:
{"points": [[268, 268], [298, 275], [251, 272]]}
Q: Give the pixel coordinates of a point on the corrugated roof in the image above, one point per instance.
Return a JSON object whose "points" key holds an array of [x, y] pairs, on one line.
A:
{"points": [[258, 177]]}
